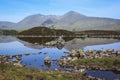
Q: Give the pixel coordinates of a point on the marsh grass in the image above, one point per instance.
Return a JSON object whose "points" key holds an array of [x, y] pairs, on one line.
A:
{"points": [[16, 73], [106, 61]]}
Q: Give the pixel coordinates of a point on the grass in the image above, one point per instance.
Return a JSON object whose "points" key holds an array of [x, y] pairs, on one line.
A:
{"points": [[10, 72], [106, 61]]}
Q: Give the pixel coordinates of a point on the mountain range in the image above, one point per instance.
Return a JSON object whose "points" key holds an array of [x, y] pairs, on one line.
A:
{"points": [[70, 21]]}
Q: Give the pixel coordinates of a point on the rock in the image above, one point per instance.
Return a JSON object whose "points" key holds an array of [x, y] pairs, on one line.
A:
{"points": [[110, 50], [69, 58], [99, 79], [15, 60], [118, 52], [47, 60], [90, 78], [82, 70], [10, 56], [27, 53], [36, 43], [90, 51], [75, 58], [18, 64]]}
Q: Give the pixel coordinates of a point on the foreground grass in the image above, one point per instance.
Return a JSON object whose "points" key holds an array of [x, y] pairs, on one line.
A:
{"points": [[106, 61], [9, 72]]}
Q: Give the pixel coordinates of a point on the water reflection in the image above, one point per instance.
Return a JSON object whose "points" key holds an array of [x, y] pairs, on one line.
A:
{"points": [[70, 43], [15, 47], [46, 41], [77, 43], [115, 46], [42, 40], [34, 40]]}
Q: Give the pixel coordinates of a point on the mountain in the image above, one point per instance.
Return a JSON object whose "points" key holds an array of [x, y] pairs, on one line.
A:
{"points": [[35, 20], [72, 17], [69, 21], [6, 25], [73, 20]]}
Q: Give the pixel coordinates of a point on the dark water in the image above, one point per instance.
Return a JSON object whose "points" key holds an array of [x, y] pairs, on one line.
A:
{"points": [[12, 45], [106, 75]]}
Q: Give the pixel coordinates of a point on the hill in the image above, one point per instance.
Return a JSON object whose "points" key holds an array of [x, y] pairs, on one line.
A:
{"points": [[8, 32], [44, 31]]}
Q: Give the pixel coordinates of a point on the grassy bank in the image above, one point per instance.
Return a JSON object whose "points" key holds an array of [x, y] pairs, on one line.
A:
{"points": [[106, 61], [9, 72]]}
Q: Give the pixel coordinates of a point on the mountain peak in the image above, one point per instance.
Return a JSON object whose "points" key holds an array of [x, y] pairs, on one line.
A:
{"points": [[74, 13], [36, 15]]}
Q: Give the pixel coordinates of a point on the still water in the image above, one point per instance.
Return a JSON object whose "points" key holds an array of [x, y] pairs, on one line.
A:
{"points": [[12, 45]]}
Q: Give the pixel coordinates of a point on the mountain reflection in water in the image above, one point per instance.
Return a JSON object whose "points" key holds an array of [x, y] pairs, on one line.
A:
{"points": [[42, 40]]}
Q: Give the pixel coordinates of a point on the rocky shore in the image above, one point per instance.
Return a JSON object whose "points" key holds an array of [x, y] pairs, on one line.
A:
{"points": [[76, 63], [92, 59]]}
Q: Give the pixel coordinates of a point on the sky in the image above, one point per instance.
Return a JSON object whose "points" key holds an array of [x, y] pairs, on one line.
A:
{"points": [[16, 10]]}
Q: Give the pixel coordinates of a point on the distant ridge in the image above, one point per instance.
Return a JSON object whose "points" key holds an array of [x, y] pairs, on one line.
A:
{"points": [[70, 21], [6, 25]]}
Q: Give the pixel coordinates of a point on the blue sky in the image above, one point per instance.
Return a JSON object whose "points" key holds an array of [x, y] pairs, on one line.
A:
{"points": [[16, 10]]}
